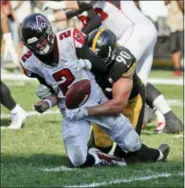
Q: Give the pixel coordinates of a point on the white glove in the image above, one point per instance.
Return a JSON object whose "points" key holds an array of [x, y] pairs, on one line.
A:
{"points": [[9, 48], [80, 64], [43, 91], [76, 114], [54, 5]]}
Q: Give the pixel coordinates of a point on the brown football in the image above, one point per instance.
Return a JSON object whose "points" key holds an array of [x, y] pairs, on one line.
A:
{"points": [[78, 94]]}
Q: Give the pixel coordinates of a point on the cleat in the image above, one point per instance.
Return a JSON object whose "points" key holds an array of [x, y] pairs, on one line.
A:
{"points": [[106, 159], [165, 149], [18, 119], [173, 125]]}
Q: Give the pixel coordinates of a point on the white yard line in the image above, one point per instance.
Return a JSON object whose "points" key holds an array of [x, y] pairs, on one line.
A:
{"points": [[175, 102], [58, 169], [128, 180], [161, 81]]}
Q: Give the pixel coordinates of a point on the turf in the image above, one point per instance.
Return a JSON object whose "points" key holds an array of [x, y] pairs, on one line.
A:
{"points": [[26, 152]]}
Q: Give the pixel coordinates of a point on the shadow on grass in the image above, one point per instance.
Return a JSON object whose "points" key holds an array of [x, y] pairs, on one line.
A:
{"points": [[37, 160], [5, 122]]}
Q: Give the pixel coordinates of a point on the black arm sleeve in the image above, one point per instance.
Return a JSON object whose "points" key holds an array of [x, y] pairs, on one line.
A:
{"points": [[86, 53], [93, 24], [72, 13]]}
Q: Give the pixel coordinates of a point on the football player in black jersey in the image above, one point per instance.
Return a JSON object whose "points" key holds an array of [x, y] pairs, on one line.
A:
{"points": [[125, 91]]}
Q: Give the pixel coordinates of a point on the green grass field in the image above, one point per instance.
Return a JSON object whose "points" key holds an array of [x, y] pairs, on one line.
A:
{"points": [[35, 155]]}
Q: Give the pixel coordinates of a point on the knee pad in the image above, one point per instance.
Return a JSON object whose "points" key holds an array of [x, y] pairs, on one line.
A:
{"points": [[151, 94], [76, 155], [132, 141]]}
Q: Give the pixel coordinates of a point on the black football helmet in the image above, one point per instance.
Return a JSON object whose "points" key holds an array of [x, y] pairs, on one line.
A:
{"points": [[103, 43], [36, 34]]}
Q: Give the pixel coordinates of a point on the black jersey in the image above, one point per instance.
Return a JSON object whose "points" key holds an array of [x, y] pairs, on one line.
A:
{"points": [[123, 65]]}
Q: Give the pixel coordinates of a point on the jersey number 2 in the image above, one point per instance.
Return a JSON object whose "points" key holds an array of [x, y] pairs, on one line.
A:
{"points": [[64, 78]]}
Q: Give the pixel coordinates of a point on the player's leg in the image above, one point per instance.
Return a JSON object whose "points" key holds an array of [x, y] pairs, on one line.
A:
{"points": [[135, 113], [75, 136], [17, 113], [154, 97], [172, 124], [100, 140]]}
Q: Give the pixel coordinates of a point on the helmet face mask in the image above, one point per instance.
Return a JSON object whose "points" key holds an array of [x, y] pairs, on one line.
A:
{"points": [[37, 35], [42, 46]]}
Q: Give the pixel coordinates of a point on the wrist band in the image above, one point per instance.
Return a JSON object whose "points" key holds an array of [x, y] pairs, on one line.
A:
{"points": [[48, 102]]}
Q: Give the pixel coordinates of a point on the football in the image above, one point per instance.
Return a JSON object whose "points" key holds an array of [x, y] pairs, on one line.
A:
{"points": [[78, 94]]}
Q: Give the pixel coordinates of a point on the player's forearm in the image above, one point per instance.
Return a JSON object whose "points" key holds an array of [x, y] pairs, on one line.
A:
{"points": [[110, 107]]}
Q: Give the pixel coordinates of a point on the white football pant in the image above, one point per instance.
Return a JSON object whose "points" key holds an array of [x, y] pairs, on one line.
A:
{"points": [[140, 39]]}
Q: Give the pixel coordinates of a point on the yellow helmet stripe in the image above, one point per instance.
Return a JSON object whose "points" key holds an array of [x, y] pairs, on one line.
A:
{"points": [[96, 38]]}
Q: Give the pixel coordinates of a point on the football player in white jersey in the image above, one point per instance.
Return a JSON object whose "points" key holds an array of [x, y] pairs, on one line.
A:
{"points": [[48, 59], [138, 34]]}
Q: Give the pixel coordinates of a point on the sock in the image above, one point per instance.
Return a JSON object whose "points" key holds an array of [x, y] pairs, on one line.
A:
{"points": [[161, 104], [160, 155], [90, 161], [160, 117], [16, 109], [144, 154]]}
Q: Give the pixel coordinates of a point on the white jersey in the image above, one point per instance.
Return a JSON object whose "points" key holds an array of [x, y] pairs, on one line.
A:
{"points": [[118, 16], [61, 77]]}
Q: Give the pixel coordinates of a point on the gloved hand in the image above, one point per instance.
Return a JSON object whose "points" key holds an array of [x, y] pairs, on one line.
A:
{"points": [[9, 48], [41, 106], [80, 64], [77, 114]]}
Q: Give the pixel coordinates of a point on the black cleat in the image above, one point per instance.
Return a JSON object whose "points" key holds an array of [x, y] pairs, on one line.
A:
{"points": [[173, 124], [165, 149]]}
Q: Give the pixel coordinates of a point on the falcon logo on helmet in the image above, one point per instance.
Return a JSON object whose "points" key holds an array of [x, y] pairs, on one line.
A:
{"points": [[41, 22]]}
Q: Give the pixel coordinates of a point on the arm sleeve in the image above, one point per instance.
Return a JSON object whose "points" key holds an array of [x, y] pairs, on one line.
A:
{"points": [[93, 23], [83, 51], [72, 13]]}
